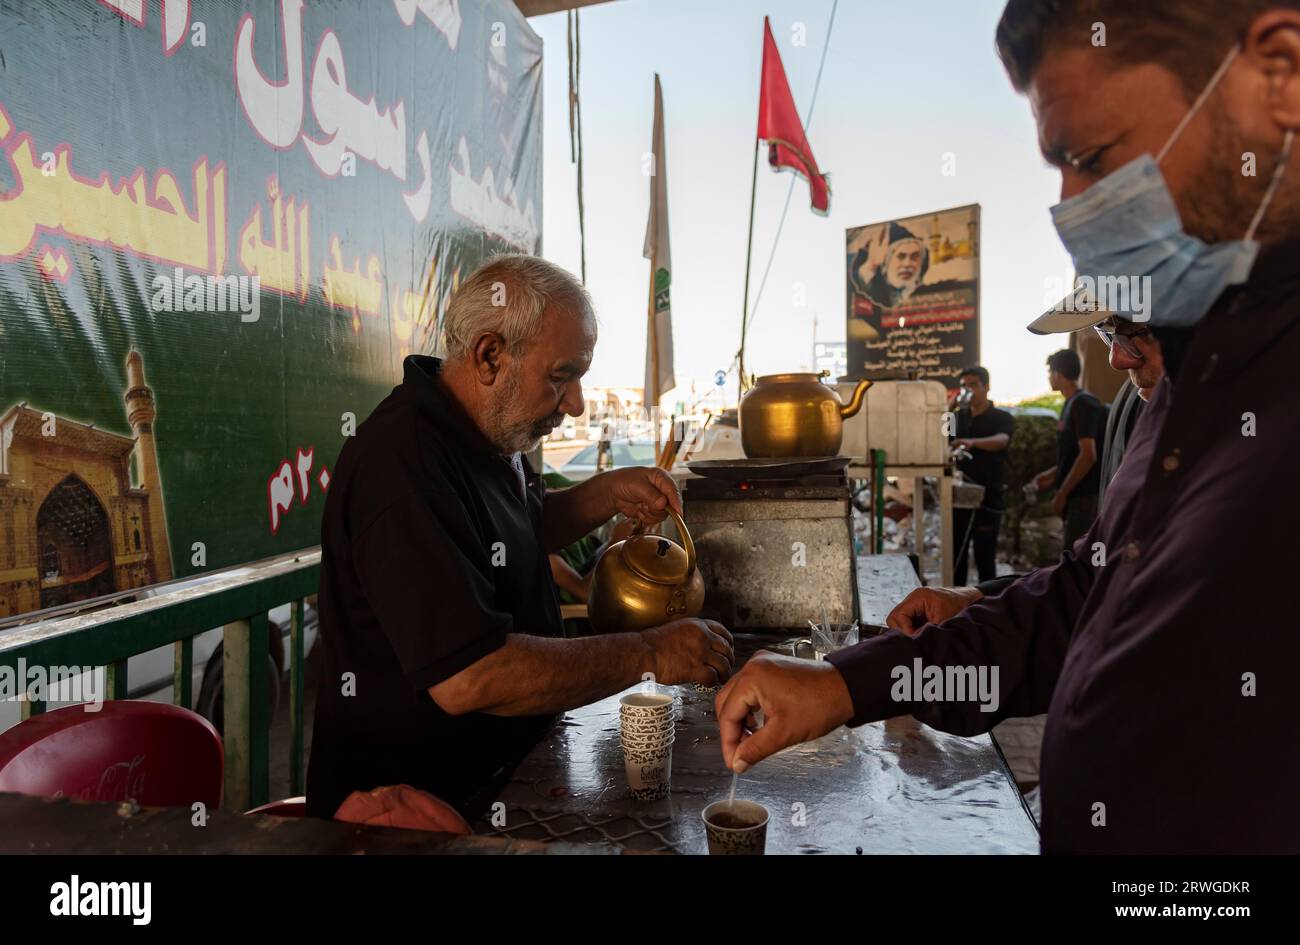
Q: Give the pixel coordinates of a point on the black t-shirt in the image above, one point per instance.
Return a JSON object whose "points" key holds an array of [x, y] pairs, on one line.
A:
{"points": [[986, 467], [1082, 417], [431, 555]]}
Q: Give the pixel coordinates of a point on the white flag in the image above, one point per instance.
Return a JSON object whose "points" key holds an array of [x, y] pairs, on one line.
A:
{"points": [[659, 323]]}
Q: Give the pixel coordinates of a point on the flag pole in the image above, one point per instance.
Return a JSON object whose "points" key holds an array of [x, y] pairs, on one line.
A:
{"points": [[749, 253], [651, 393], [653, 342]]}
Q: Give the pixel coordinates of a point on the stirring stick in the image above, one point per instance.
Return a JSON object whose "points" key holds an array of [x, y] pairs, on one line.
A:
{"points": [[731, 805]]}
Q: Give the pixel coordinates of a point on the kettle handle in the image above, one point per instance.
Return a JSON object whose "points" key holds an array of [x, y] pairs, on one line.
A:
{"points": [[686, 540]]}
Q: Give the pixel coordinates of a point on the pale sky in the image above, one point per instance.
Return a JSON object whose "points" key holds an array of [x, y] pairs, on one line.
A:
{"points": [[904, 85]]}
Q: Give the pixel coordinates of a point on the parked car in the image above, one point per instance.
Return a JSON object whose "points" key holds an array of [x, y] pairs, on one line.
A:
{"points": [[149, 674], [1032, 412], [623, 453]]}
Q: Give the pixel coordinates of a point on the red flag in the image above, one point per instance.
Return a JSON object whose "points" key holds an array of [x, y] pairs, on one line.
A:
{"points": [[779, 125]]}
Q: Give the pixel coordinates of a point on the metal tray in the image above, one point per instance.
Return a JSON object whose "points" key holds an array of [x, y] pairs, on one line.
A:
{"points": [[738, 470]]}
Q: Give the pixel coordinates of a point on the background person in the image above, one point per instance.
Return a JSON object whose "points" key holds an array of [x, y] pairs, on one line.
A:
{"points": [[1076, 474], [985, 431], [1133, 348]]}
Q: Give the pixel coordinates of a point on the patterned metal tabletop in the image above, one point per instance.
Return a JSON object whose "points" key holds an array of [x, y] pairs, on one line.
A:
{"points": [[889, 787]]}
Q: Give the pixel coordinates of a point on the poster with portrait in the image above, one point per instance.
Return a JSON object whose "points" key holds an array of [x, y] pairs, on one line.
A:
{"points": [[913, 296]]}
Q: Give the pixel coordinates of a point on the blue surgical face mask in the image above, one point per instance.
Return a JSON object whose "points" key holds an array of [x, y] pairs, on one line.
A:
{"points": [[1129, 248]]}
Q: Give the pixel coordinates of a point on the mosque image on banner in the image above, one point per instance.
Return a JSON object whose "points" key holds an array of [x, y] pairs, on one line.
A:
{"points": [[913, 296], [192, 325]]}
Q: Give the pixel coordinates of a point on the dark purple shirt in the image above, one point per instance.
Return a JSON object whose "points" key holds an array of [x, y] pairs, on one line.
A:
{"points": [[1146, 664]]}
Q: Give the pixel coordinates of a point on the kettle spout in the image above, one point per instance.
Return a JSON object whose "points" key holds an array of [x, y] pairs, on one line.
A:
{"points": [[855, 404]]}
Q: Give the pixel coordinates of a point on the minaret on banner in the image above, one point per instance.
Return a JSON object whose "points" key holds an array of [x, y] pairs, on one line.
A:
{"points": [[140, 413]]}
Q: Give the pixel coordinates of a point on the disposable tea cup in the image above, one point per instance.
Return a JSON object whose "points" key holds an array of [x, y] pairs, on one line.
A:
{"points": [[649, 774], [735, 828]]}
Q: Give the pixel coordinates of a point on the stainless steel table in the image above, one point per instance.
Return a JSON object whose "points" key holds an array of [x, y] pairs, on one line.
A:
{"points": [[889, 787]]}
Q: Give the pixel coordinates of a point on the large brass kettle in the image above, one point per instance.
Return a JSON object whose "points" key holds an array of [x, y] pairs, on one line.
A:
{"points": [[792, 415], [644, 581]]}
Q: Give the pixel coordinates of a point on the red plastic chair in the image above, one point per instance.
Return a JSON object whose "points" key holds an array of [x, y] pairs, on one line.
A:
{"points": [[286, 807], [156, 754]]}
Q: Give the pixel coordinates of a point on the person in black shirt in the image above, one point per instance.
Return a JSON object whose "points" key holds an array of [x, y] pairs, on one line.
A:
{"points": [[985, 431], [1077, 473], [443, 651]]}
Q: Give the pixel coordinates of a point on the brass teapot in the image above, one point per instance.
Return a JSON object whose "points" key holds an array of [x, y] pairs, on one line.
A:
{"points": [[793, 415], [644, 581]]}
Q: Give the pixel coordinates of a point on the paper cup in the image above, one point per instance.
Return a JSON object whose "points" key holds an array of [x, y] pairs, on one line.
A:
{"points": [[735, 829], [649, 773], [646, 731], [647, 740], [646, 720], [647, 750], [646, 705]]}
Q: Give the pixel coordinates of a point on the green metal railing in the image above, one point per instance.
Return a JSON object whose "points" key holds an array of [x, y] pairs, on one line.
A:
{"points": [[238, 603]]}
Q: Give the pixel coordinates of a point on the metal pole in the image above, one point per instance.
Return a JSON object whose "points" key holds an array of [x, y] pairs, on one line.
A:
{"points": [[653, 342], [878, 499], [749, 253]]}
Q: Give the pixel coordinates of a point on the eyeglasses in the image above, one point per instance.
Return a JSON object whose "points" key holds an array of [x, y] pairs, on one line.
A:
{"points": [[1125, 339]]}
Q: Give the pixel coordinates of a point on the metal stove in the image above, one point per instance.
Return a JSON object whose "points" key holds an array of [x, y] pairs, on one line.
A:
{"points": [[774, 552]]}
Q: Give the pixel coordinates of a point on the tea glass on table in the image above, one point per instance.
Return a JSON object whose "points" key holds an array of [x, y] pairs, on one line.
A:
{"points": [[827, 639]]}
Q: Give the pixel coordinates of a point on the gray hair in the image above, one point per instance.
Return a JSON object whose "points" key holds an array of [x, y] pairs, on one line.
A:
{"points": [[509, 295]]}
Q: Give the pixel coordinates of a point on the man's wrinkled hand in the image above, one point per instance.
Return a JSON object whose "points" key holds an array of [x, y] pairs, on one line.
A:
{"points": [[690, 650], [800, 700], [642, 492], [930, 605]]}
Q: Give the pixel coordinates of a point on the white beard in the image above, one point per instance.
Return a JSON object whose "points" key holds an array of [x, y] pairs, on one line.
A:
{"points": [[511, 434]]}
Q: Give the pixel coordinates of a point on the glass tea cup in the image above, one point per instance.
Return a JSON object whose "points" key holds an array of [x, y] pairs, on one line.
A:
{"points": [[828, 639]]}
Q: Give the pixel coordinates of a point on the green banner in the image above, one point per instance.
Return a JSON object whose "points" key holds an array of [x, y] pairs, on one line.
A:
{"points": [[222, 227]]}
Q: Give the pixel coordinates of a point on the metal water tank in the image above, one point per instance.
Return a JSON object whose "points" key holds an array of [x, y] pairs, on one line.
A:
{"points": [[903, 418]]}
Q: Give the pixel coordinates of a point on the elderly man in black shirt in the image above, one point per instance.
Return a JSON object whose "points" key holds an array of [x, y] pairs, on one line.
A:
{"points": [[1168, 698], [444, 656]]}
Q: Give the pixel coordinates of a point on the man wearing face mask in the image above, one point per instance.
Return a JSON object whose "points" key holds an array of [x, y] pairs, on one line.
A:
{"points": [[1166, 703], [443, 649]]}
